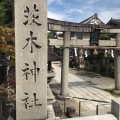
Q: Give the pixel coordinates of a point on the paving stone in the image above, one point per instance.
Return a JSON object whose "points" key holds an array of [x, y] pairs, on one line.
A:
{"points": [[80, 92], [80, 88], [101, 96], [90, 106], [108, 100], [98, 117], [87, 96], [79, 96], [110, 97], [107, 106], [85, 90]]}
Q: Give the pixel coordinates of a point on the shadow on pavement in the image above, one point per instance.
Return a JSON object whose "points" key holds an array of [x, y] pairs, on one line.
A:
{"points": [[84, 73]]}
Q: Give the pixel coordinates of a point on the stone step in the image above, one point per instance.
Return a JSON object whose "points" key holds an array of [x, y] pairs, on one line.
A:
{"points": [[97, 117]]}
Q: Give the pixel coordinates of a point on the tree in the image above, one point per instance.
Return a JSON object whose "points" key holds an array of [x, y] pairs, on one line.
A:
{"points": [[2, 14], [50, 36], [6, 13], [7, 44], [107, 36], [104, 37]]}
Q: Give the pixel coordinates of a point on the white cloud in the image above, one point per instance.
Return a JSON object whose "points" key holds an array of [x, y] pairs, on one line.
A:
{"points": [[68, 11], [75, 10], [55, 16], [61, 16], [105, 16]]}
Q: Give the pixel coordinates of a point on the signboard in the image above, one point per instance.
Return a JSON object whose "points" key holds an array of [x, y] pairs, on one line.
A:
{"points": [[94, 37], [31, 59]]}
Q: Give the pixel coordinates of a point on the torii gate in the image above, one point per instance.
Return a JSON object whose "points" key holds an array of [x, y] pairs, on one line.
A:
{"points": [[67, 28]]}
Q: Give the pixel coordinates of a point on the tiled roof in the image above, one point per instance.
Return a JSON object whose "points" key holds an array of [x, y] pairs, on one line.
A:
{"points": [[114, 22], [92, 20]]}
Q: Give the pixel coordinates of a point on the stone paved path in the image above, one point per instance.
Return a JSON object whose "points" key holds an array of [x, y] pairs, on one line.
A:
{"points": [[83, 89]]}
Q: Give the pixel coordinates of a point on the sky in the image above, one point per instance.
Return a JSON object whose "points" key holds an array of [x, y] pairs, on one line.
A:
{"points": [[79, 10]]}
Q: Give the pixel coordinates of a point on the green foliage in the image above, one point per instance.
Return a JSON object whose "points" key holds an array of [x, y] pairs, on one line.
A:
{"points": [[7, 43], [2, 14], [6, 12], [74, 62], [111, 70], [112, 35], [104, 37], [107, 36], [92, 67], [100, 64], [50, 35], [87, 66]]}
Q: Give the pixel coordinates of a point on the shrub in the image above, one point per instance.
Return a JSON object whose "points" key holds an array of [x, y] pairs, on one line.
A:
{"points": [[104, 37]]}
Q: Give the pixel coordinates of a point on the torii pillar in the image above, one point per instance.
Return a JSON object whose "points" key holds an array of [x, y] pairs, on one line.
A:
{"points": [[65, 64], [117, 65]]}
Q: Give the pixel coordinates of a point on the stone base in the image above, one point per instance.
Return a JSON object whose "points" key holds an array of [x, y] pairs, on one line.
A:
{"points": [[50, 113], [60, 97], [117, 92], [97, 117], [50, 97], [115, 107]]}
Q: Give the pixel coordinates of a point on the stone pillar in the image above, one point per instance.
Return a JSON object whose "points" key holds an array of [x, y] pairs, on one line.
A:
{"points": [[115, 108], [117, 65], [31, 59], [65, 64]]}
